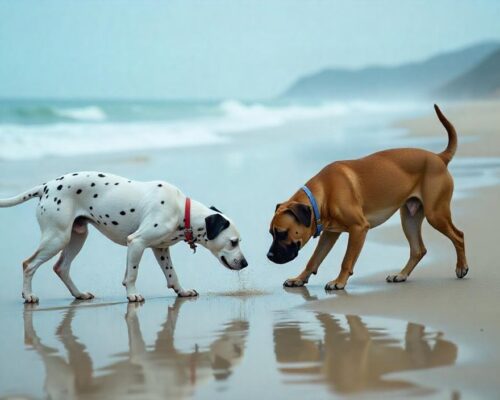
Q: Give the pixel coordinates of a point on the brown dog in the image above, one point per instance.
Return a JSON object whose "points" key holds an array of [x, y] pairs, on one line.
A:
{"points": [[356, 195]]}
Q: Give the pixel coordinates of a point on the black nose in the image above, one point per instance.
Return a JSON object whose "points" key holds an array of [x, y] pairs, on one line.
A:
{"points": [[244, 263], [270, 255]]}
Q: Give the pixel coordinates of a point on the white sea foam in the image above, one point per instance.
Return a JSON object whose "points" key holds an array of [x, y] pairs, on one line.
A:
{"points": [[26, 142], [102, 135], [90, 113], [243, 117]]}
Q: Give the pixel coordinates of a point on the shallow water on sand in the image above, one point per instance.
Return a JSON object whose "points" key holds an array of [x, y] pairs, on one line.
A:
{"points": [[245, 336], [212, 347]]}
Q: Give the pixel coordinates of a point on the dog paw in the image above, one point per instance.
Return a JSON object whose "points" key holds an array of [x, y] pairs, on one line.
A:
{"points": [[187, 293], [294, 282], [135, 298], [396, 278], [461, 272], [334, 285], [30, 298], [85, 296]]}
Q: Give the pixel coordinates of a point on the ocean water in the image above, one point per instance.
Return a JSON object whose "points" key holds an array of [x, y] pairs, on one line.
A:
{"points": [[37, 129]]}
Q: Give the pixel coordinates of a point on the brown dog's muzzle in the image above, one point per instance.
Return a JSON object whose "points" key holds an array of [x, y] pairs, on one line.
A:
{"points": [[281, 253]]}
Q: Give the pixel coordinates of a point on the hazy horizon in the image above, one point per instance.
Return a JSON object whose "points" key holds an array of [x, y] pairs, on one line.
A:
{"points": [[201, 100], [122, 50]]}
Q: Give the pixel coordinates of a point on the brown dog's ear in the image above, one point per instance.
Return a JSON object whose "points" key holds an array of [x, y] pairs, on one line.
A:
{"points": [[301, 212], [277, 206]]}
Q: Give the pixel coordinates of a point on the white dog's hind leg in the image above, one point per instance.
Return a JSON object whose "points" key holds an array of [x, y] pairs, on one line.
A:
{"points": [[134, 254], [51, 244], [165, 262], [63, 265]]}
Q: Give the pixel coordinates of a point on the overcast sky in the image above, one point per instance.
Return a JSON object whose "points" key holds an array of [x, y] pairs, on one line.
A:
{"points": [[218, 49]]}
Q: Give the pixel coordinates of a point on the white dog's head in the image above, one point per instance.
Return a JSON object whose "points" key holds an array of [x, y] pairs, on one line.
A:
{"points": [[224, 241]]}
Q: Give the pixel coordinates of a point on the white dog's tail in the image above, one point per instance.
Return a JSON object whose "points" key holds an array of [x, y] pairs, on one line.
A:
{"points": [[37, 191]]}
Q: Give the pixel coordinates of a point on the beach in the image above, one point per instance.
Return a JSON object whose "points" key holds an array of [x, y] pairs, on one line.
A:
{"points": [[246, 336]]}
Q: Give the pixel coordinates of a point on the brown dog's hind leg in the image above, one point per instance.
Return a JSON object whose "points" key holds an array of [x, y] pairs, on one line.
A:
{"points": [[437, 192], [411, 220], [440, 219], [325, 244], [357, 236]]}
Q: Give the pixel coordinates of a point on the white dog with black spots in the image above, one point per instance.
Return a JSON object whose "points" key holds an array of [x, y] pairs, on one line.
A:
{"points": [[135, 214]]}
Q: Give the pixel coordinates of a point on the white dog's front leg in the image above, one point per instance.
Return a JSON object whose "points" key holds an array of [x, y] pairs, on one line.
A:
{"points": [[165, 262], [134, 254], [136, 342]]}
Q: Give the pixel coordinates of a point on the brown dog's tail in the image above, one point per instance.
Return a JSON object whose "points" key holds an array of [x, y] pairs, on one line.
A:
{"points": [[21, 198], [450, 150]]}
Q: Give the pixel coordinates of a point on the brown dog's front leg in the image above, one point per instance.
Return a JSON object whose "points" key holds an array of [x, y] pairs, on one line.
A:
{"points": [[325, 244], [357, 236]]}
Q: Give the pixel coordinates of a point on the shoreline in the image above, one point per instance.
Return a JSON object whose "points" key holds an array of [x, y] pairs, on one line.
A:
{"points": [[430, 321]]}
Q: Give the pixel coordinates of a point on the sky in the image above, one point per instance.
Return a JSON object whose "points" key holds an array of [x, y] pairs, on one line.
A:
{"points": [[205, 49]]}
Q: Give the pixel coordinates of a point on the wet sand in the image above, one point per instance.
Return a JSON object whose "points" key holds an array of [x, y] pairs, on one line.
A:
{"points": [[246, 336]]}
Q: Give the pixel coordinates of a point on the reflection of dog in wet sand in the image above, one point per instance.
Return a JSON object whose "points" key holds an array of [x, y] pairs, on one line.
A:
{"points": [[357, 358], [157, 371], [356, 195]]}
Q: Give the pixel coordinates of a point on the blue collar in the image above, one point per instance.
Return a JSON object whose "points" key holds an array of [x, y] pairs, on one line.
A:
{"points": [[317, 216]]}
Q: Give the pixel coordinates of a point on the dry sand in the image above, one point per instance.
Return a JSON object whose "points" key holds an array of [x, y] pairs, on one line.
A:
{"points": [[467, 310], [478, 123]]}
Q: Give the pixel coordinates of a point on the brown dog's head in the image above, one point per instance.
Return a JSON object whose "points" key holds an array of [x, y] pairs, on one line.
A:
{"points": [[291, 229]]}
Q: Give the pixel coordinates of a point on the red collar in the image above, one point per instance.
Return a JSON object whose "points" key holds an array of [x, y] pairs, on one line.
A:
{"points": [[188, 230]]}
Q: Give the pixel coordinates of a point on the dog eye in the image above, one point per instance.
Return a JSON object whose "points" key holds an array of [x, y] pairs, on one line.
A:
{"points": [[234, 242]]}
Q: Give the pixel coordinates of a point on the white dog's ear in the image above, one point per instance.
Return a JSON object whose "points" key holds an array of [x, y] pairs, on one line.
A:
{"points": [[215, 224]]}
